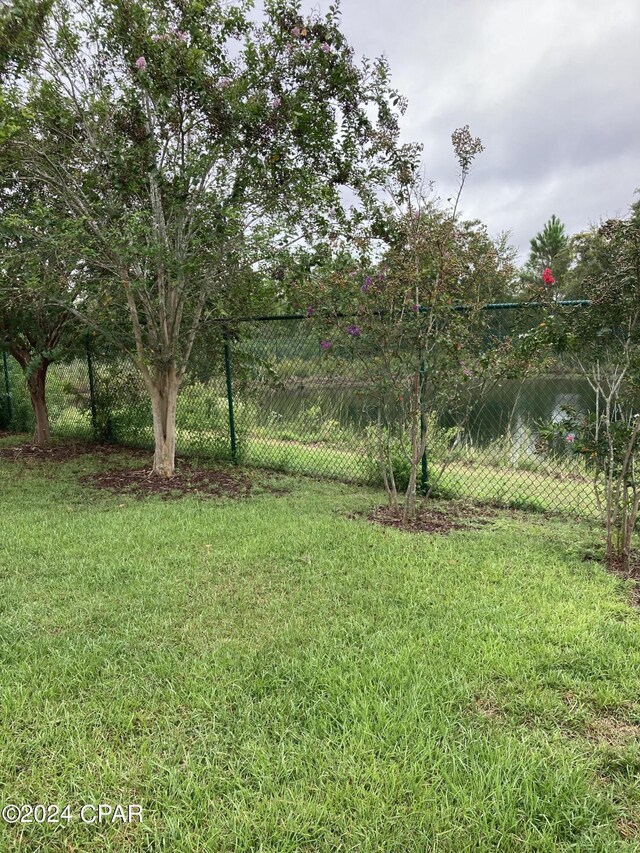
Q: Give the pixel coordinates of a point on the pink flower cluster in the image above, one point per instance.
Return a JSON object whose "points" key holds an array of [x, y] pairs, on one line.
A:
{"points": [[547, 277], [174, 33]]}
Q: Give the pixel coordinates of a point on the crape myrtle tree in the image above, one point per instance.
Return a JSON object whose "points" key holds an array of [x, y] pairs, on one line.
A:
{"points": [[36, 273], [396, 312], [32, 270], [603, 341], [188, 140]]}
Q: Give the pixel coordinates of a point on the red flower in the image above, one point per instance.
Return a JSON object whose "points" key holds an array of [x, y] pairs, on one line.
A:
{"points": [[547, 277]]}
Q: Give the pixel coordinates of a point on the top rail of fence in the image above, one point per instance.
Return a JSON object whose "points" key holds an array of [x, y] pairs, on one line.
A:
{"points": [[493, 306]]}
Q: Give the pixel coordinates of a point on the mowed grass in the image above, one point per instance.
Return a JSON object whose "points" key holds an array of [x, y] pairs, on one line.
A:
{"points": [[278, 674], [561, 490]]}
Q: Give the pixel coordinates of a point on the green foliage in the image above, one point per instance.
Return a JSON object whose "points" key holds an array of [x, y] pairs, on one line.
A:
{"points": [[398, 318], [21, 412], [604, 342], [189, 144], [551, 249], [21, 26], [201, 137], [122, 405], [203, 416]]}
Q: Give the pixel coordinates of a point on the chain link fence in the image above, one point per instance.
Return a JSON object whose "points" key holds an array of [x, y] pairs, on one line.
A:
{"points": [[267, 395]]}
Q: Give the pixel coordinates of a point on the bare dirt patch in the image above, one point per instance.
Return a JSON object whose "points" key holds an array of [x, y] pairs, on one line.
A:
{"points": [[612, 731], [628, 829], [487, 708], [67, 451], [630, 574], [432, 520], [203, 482]]}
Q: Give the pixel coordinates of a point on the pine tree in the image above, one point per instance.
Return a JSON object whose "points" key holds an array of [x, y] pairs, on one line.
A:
{"points": [[550, 249]]}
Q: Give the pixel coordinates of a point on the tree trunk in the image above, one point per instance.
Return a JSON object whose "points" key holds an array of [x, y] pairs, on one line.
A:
{"points": [[37, 385], [164, 396]]}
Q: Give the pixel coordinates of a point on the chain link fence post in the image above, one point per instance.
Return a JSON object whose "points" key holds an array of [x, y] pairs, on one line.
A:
{"points": [[92, 393], [232, 423], [7, 385], [424, 478]]}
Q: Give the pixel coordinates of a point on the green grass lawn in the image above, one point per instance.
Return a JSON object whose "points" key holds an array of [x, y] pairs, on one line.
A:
{"points": [[277, 674]]}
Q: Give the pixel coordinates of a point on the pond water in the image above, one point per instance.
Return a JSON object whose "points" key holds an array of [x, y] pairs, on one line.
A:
{"points": [[514, 406]]}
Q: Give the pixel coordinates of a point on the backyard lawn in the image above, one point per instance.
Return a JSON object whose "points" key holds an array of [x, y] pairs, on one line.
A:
{"points": [[274, 672]]}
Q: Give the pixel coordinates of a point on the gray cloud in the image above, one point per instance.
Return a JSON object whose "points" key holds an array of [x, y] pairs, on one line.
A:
{"points": [[551, 86]]}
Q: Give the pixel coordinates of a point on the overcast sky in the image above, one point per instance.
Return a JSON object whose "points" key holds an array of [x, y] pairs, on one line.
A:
{"points": [[551, 86]]}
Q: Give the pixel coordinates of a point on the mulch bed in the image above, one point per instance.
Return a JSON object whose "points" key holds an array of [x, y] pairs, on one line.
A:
{"points": [[67, 451], [430, 520], [632, 574], [206, 483]]}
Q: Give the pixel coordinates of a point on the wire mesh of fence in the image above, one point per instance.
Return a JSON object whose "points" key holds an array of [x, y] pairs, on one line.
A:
{"points": [[269, 395]]}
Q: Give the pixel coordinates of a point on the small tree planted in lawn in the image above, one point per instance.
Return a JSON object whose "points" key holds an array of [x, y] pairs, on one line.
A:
{"points": [[400, 319], [603, 341]]}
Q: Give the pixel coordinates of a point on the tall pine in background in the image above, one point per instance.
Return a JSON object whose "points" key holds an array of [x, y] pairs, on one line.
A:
{"points": [[551, 249]]}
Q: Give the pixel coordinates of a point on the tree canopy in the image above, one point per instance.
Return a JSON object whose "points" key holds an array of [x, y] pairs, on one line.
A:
{"points": [[188, 142]]}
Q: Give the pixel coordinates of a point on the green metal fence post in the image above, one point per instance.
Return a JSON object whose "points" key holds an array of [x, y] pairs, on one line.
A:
{"points": [[424, 483], [232, 423], [92, 393], [7, 386]]}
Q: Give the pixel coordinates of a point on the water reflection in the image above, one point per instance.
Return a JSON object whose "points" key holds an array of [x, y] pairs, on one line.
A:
{"points": [[509, 410]]}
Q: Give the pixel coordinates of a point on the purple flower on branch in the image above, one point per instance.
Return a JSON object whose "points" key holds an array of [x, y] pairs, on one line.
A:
{"points": [[311, 311], [325, 47], [141, 63], [275, 102], [325, 345], [354, 331]]}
